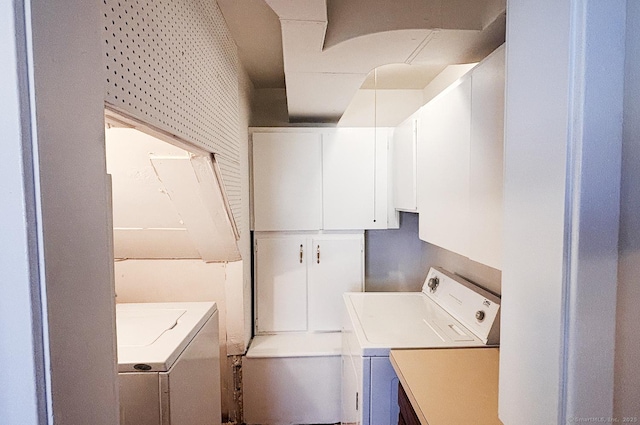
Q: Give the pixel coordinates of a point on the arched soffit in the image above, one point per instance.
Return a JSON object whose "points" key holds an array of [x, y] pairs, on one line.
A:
{"points": [[350, 19], [434, 48]]}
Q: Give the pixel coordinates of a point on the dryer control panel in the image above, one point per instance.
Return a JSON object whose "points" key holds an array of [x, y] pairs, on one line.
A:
{"points": [[476, 308]]}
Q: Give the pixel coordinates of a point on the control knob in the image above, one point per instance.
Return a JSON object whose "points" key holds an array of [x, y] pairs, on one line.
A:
{"points": [[433, 284], [480, 315]]}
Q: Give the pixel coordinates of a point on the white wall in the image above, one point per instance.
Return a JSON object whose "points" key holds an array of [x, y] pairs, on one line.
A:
{"points": [[22, 393], [627, 372], [562, 153], [146, 220], [68, 95]]}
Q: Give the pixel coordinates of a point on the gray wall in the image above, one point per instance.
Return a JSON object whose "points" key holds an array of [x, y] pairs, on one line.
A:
{"points": [[397, 260], [627, 372]]}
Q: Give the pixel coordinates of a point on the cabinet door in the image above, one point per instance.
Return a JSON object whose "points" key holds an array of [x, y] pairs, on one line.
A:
{"points": [[354, 179], [486, 160], [287, 181], [336, 267], [404, 165], [281, 284], [350, 392], [443, 169]]}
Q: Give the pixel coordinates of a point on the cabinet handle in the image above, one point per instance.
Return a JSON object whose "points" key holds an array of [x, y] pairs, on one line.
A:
{"points": [[318, 254], [301, 253]]}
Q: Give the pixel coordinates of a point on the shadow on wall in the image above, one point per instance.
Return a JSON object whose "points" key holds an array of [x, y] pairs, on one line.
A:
{"points": [[397, 260]]}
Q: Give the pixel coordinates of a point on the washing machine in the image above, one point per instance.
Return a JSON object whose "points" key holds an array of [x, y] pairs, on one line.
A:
{"points": [[168, 363], [449, 312]]}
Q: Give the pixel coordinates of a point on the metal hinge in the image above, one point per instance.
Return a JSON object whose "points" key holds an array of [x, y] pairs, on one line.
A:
{"points": [[357, 399]]}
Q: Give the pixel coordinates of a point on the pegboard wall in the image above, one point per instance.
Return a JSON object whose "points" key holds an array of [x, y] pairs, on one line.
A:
{"points": [[173, 64]]}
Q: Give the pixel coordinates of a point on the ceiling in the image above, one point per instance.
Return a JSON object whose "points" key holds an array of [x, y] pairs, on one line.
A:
{"points": [[323, 52]]}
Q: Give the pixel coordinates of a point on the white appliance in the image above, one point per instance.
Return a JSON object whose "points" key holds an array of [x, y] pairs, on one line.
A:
{"points": [[168, 363], [449, 312]]}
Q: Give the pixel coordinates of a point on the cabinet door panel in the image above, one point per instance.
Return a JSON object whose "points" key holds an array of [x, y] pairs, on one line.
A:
{"points": [[336, 267], [404, 165], [351, 188], [486, 165], [351, 391], [281, 284], [443, 169], [287, 181]]}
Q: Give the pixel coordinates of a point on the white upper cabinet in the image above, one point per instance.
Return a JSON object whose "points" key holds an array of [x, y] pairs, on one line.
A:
{"points": [[287, 181], [320, 179], [354, 179], [486, 166], [443, 169], [460, 164], [404, 165]]}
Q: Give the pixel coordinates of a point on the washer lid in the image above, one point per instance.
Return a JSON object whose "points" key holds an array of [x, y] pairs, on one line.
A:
{"points": [[385, 320], [151, 336], [407, 320]]}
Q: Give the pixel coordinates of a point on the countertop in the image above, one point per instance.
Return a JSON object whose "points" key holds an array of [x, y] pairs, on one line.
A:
{"points": [[450, 386]]}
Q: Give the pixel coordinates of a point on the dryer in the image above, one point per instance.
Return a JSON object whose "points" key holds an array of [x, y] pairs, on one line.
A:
{"points": [[168, 363], [450, 312]]}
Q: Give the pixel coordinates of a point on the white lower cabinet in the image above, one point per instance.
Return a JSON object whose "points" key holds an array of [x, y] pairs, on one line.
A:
{"points": [[351, 390], [281, 283], [300, 279], [336, 267]]}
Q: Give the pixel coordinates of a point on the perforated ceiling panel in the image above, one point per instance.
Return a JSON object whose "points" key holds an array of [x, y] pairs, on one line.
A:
{"points": [[173, 64]]}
